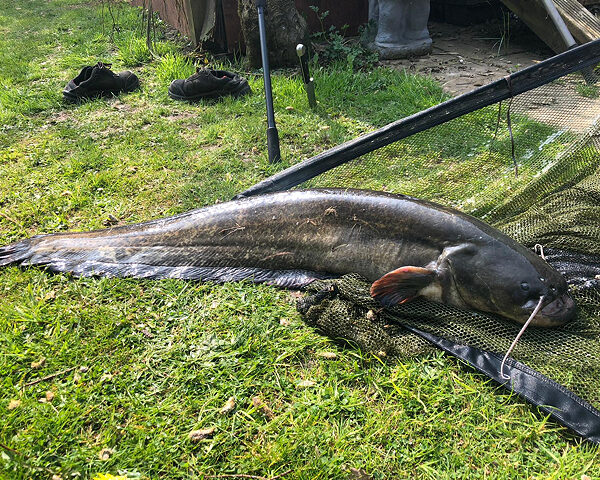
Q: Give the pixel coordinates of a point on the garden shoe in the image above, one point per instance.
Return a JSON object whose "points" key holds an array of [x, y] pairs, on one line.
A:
{"points": [[206, 83], [98, 80]]}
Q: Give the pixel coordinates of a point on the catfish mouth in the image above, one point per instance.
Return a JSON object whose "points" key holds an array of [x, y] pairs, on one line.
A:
{"points": [[559, 311]]}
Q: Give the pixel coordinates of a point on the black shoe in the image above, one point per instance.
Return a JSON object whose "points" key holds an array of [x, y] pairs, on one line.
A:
{"points": [[99, 80], [207, 83]]}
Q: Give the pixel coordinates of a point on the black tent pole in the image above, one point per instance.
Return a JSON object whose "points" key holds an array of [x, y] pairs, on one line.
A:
{"points": [[272, 135]]}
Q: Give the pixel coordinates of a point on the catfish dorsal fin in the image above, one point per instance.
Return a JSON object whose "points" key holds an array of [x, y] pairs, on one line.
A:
{"points": [[401, 285]]}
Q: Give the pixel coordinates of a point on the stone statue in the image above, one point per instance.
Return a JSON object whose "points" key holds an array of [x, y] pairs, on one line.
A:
{"points": [[401, 28]]}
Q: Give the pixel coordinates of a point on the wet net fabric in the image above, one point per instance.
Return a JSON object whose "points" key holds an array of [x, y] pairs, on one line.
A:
{"points": [[551, 197]]}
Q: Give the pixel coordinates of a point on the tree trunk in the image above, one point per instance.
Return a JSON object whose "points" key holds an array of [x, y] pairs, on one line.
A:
{"points": [[285, 29]]}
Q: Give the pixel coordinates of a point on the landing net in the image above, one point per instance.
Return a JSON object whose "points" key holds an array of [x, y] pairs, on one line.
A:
{"points": [[554, 201]]}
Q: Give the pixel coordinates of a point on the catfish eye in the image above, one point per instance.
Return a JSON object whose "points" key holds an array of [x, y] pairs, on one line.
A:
{"points": [[524, 286]]}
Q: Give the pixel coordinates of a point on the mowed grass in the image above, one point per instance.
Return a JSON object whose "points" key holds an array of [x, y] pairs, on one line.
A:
{"points": [[102, 376]]}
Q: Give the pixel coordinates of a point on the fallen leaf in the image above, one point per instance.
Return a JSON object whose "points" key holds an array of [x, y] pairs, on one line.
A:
{"points": [[359, 474], [146, 332], [105, 454], [228, 407], [197, 435], [14, 404], [306, 383], [263, 407], [39, 364], [51, 295], [327, 355], [285, 322], [50, 395]]}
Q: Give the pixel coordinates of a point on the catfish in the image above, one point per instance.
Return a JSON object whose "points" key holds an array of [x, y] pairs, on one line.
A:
{"points": [[405, 246]]}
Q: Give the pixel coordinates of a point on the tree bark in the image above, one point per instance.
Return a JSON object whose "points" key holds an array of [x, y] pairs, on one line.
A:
{"points": [[285, 29]]}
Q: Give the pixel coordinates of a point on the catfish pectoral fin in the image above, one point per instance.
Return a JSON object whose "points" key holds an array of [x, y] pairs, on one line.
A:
{"points": [[401, 285]]}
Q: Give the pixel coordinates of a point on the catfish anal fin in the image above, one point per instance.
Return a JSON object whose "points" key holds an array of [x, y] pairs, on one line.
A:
{"points": [[401, 285]]}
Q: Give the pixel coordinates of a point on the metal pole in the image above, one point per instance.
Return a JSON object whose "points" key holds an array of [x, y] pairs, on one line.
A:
{"points": [[272, 134], [565, 34], [559, 23]]}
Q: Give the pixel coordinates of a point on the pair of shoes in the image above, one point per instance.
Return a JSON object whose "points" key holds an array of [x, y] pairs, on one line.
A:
{"points": [[99, 80], [206, 83]]}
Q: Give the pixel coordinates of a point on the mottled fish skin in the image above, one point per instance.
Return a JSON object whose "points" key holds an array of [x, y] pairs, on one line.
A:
{"points": [[292, 238]]}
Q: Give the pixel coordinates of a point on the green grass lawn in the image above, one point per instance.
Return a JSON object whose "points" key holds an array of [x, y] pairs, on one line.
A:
{"points": [[134, 366]]}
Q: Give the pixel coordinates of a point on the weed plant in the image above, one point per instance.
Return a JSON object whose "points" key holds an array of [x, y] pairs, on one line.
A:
{"points": [[333, 47], [110, 376]]}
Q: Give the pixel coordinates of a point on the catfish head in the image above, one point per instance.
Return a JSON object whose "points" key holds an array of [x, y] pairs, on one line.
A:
{"points": [[507, 280]]}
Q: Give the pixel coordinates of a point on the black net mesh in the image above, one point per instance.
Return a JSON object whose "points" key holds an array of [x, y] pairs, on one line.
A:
{"points": [[554, 201]]}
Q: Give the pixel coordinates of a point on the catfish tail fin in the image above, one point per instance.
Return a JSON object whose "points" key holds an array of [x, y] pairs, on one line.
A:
{"points": [[15, 253]]}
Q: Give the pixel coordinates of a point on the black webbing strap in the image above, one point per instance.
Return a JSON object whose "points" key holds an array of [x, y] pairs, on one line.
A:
{"points": [[560, 403]]}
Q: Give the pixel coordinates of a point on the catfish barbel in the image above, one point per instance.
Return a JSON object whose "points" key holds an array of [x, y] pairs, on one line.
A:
{"points": [[405, 246]]}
